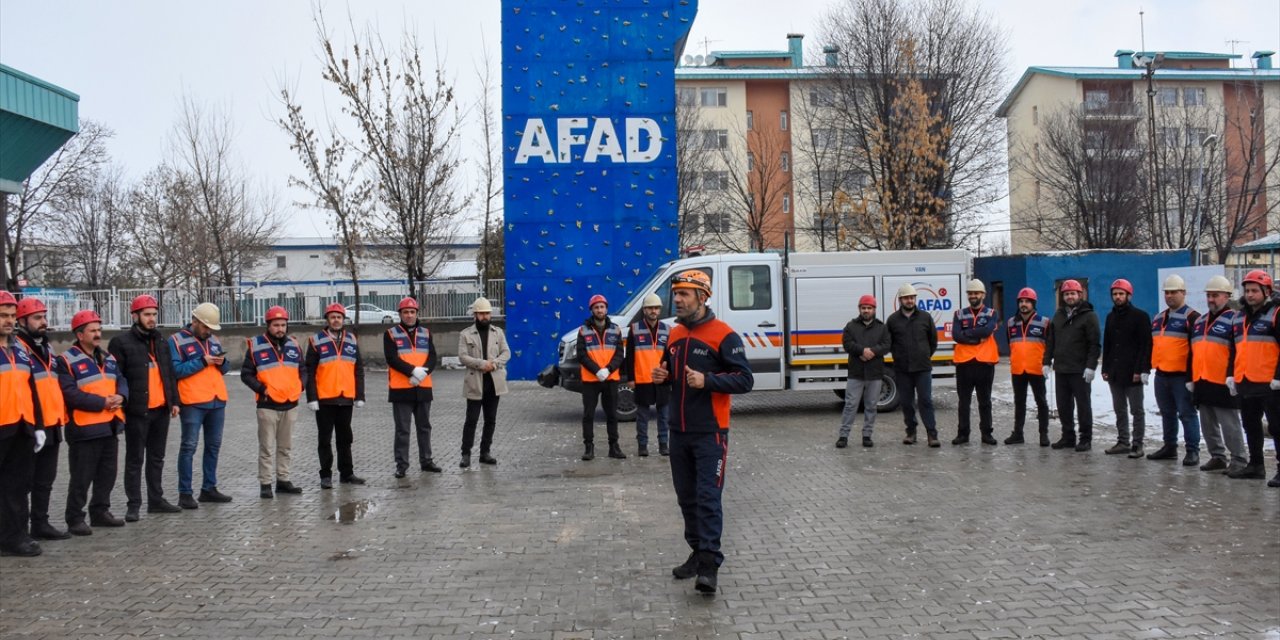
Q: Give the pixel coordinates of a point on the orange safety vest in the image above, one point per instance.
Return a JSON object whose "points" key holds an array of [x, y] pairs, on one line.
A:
{"points": [[1256, 349], [278, 370], [208, 384], [98, 380], [1027, 343], [1171, 340], [52, 409], [16, 404], [985, 351], [647, 353], [600, 349], [414, 347], [336, 371], [1211, 347]]}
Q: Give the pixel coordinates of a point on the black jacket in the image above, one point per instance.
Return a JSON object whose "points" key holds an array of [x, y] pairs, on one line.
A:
{"points": [[714, 349], [249, 375], [914, 340], [394, 361], [133, 350], [858, 336], [1126, 345], [1075, 342]]}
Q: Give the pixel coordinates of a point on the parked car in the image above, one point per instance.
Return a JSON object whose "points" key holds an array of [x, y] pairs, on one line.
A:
{"points": [[372, 313]]}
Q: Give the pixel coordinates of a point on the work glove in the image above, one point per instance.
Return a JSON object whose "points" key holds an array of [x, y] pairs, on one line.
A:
{"points": [[1191, 387], [602, 374], [415, 381], [1088, 376], [1145, 377], [314, 406], [40, 438], [1047, 370], [1275, 385], [359, 404], [1231, 385], [420, 373]]}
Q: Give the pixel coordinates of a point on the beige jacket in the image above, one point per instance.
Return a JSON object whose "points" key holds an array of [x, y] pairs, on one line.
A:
{"points": [[474, 361]]}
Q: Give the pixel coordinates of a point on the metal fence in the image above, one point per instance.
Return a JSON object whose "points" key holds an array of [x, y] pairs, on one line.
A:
{"points": [[247, 305]]}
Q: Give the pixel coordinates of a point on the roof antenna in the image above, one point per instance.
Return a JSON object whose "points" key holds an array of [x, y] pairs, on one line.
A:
{"points": [[1142, 27]]}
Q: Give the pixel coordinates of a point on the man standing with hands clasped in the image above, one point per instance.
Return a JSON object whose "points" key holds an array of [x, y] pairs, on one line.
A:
{"points": [[646, 343], [1072, 353], [866, 340], [335, 385], [705, 363], [973, 329], [1126, 356], [411, 357], [273, 370], [600, 358]]}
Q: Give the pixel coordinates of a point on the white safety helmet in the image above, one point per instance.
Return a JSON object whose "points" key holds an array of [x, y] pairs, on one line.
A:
{"points": [[481, 305], [651, 300], [1218, 284], [975, 286], [906, 290], [1175, 283], [208, 315]]}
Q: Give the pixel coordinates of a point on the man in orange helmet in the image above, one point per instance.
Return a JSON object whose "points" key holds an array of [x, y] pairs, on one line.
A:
{"points": [[1255, 373], [1028, 332], [153, 402], [33, 333], [273, 369], [335, 385], [866, 340], [21, 435], [1126, 363], [95, 393], [600, 356], [411, 357]]}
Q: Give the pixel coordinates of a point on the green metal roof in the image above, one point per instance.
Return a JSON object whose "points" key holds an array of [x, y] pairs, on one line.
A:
{"points": [[732, 55], [36, 119], [1161, 75], [1182, 55]]}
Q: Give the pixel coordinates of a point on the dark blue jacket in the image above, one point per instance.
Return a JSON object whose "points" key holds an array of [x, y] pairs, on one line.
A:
{"points": [[711, 347]]}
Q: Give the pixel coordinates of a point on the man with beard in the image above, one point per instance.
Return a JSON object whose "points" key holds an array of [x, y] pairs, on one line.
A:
{"points": [[199, 364], [866, 340], [646, 342], [976, 355], [1212, 352], [1126, 356], [1170, 357], [33, 332], [482, 349], [600, 355], [335, 384], [1256, 370], [144, 362], [273, 369], [1073, 350], [705, 364], [913, 341], [411, 357], [21, 435], [1027, 332]]}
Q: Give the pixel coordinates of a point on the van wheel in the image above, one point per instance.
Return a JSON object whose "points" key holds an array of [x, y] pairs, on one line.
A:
{"points": [[626, 404], [888, 395]]}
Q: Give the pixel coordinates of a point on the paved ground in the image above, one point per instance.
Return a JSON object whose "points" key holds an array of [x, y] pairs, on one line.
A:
{"points": [[889, 542]]}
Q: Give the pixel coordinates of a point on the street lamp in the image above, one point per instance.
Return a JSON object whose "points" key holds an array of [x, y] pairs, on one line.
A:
{"points": [[1210, 141], [1151, 63]]}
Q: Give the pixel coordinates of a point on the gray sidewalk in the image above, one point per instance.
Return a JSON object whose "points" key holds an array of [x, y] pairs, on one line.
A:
{"points": [[888, 542]]}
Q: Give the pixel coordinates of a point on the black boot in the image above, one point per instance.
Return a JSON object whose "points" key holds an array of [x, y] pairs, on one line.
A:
{"points": [[642, 450], [987, 438], [664, 449], [430, 466], [187, 502], [44, 531], [1015, 438], [485, 458], [1167, 452], [842, 442], [464, 462], [589, 452], [687, 570], [264, 491], [707, 570], [615, 451], [1192, 459], [1044, 438], [1065, 443], [284, 486]]}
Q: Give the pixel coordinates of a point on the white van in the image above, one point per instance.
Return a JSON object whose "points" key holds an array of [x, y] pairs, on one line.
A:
{"points": [[792, 324]]}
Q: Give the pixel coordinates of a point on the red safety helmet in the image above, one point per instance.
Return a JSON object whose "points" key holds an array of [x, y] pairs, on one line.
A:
{"points": [[1027, 293], [143, 301], [81, 318], [1257, 276], [7, 298], [335, 308], [1072, 285], [1122, 285], [277, 313], [597, 299], [407, 303], [867, 299], [28, 306]]}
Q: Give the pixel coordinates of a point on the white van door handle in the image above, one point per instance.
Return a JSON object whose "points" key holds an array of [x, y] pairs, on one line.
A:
{"points": [[766, 324]]}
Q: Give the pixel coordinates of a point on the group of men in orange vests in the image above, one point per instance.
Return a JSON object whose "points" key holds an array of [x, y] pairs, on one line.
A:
{"points": [[88, 395]]}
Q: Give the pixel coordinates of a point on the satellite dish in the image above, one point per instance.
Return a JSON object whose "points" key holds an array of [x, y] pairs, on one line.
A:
{"points": [[698, 59], [688, 60], [711, 59]]}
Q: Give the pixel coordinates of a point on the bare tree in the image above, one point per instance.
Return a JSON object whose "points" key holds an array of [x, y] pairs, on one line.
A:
{"points": [[753, 204], [489, 265], [1236, 206], [700, 178], [91, 229], [156, 211], [959, 56], [826, 175], [408, 122], [69, 171]]}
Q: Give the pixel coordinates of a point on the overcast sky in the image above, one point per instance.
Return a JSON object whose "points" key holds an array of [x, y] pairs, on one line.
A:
{"points": [[130, 60]]}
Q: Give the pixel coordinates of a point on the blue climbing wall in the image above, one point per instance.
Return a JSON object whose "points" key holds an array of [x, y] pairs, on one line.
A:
{"points": [[588, 130]]}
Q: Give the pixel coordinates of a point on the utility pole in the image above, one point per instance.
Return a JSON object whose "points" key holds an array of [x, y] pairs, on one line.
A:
{"points": [[1151, 63]]}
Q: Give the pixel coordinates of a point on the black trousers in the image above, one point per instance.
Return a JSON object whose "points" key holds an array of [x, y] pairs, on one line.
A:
{"points": [[93, 463], [1020, 383], [1073, 396], [1252, 410], [420, 414], [489, 406], [17, 461], [335, 418], [605, 393], [46, 470], [145, 438], [971, 376]]}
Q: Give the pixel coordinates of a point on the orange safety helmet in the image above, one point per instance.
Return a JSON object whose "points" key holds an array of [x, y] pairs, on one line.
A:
{"points": [[1072, 285], [335, 308], [1258, 277], [81, 318], [692, 279], [277, 312], [867, 299], [407, 303], [28, 306], [1122, 285], [597, 299], [143, 301], [7, 299], [1027, 293]]}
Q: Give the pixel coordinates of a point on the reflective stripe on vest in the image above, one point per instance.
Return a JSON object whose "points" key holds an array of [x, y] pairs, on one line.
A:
{"points": [[647, 353], [600, 348], [52, 409], [414, 348], [208, 384], [336, 371], [95, 380], [1256, 349], [278, 370], [16, 403], [1211, 347], [1171, 340], [985, 351], [1026, 344]]}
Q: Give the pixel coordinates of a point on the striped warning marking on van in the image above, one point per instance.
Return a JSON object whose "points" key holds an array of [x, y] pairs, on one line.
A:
{"points": [[759, 339]]}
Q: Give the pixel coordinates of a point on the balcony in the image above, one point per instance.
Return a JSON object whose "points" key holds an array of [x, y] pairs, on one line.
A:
{"points": [[1093, 109]]}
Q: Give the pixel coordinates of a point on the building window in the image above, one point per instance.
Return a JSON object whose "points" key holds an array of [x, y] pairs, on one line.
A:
{"points": [[820, 98], [280, 262], [714, 96], [782, 120], [784, 161], [1037, 194], [715, 180], [314, 256], [751, 161], [1167, 97], [687, 96], [1035, 116], [1193, 96], [715, 222], [1096, 99], [824, 138], [715, 139], [1196, 136], [1168, 136], [1036, 151], [751, 120], [786, 203]]}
